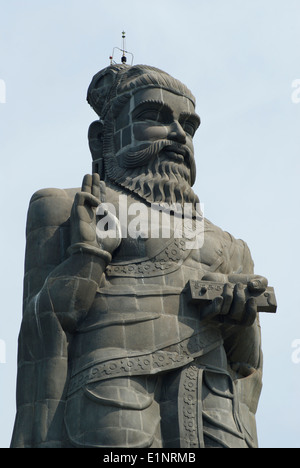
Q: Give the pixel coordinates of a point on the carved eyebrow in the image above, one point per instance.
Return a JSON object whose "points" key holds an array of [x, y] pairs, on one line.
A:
{"points": [[159, 104], [189, 115]]}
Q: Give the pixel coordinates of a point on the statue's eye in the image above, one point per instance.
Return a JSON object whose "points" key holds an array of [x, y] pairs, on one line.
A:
{"points": [[189, 128], [148, 114]]}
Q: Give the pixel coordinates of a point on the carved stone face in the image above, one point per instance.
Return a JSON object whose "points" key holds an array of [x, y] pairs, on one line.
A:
{"points": [[156, 123]]}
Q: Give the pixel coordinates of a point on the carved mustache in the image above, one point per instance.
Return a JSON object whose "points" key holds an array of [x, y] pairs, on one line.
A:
{"points": [[142, 156]]}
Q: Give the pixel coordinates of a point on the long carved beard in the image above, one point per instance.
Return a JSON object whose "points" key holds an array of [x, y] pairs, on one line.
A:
{"points": [[160, 182]]}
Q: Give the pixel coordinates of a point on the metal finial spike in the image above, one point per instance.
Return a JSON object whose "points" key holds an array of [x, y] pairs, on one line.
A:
{"points": [[123, 50], [124, 58]]}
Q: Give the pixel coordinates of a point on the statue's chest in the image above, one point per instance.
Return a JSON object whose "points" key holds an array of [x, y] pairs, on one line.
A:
{"points": [[147, 257], [155, 243]]}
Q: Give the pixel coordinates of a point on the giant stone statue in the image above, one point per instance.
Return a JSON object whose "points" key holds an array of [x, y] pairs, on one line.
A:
{"points": [[133, 337]]}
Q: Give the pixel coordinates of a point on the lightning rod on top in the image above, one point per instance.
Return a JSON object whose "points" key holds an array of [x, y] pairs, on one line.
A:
{"points": [[123, 50]]}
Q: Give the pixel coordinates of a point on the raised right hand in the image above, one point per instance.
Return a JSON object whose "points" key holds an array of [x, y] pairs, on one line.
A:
{"points": [[84, 216]]}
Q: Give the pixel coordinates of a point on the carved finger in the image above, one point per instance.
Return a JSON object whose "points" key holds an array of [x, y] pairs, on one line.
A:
{"points": [[250, 313], [239, 278], [215, 277], [87, 183], [238, 303], [257, 283], [227, 298], [85, 198], [95, 189], [102, 196]]}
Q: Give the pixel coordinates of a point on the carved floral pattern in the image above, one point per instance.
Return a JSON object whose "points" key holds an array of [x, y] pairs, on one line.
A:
{"points": [[170, 259]]}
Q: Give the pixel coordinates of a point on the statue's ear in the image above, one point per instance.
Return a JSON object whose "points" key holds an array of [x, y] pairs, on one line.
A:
{"points": [[95, 136]]}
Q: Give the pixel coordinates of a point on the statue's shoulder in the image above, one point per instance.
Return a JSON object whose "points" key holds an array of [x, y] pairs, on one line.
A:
{"points": [[54, 193], [47, 235], [50, 207]]}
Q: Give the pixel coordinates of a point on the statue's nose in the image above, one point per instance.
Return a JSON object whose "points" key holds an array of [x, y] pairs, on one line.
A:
{"points": [[177, 133]]}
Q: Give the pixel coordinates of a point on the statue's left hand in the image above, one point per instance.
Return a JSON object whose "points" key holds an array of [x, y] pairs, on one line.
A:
{"points": [[232, 305]]}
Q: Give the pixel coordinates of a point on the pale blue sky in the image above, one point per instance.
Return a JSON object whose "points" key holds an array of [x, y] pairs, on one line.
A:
{"points": [[239, 57]]}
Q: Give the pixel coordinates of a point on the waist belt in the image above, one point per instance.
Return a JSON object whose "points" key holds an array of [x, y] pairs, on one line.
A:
{"points": [[128, 366]]}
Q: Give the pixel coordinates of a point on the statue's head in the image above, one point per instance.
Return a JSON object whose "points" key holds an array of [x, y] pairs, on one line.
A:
{"points": [[143, 139]]}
